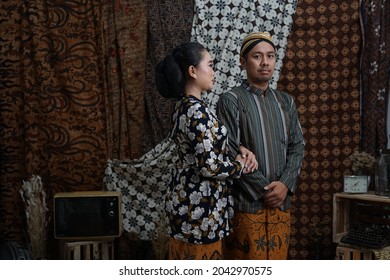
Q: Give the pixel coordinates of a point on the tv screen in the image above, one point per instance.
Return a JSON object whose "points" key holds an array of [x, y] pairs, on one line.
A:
{"points": [[84, 215]]}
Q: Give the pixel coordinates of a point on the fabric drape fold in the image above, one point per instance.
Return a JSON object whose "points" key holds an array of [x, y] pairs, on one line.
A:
{"points": [[375, 75], [124, 53]]}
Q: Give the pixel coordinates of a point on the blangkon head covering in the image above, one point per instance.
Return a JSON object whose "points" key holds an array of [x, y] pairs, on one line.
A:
{"points": [[252, 39]]}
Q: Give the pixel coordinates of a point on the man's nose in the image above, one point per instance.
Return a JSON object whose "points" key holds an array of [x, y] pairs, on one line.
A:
{"points": [[264, 61]]}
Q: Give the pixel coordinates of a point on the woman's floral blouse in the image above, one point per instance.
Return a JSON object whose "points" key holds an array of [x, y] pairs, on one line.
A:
{"points": [[199, 204]]}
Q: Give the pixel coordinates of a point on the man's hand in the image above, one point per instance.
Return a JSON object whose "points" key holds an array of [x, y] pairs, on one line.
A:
{"points": [[277, 192]]}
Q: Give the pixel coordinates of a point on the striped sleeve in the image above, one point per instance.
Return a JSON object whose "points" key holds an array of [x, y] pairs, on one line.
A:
{"points": [[295, 152]]}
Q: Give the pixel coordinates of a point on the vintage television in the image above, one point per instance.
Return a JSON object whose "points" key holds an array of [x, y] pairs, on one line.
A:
{"points": [[87, 215]]}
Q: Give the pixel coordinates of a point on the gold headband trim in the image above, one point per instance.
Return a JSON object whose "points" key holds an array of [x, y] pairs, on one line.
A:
{"points": [[249, 39]]}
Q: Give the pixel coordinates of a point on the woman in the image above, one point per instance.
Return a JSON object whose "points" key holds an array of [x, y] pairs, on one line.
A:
{"points": [[198, 203]]}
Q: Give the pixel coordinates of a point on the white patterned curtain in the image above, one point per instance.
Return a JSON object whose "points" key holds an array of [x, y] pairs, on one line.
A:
{"points": [[220, 25]]}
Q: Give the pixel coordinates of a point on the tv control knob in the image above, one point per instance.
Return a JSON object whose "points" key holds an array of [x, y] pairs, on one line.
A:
{"points": [[111, 213]]}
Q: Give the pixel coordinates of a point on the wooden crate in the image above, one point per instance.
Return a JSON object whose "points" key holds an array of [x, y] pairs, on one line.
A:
{"points": [[358, 208], [88, 250], [345, 252], [350, 252]]}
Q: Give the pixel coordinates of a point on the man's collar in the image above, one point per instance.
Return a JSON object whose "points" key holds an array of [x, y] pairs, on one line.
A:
{"points": [[254, 90]]}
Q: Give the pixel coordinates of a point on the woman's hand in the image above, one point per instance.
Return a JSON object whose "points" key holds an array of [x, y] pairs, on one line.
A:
{"points": [[249, 158]]}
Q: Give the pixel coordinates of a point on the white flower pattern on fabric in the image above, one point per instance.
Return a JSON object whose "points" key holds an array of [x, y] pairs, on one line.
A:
{"points": [[199, 204], [143, 184], [221, 25]]}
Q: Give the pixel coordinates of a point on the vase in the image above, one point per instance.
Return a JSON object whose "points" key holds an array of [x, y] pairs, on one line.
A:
{"points": [[382, 175]]}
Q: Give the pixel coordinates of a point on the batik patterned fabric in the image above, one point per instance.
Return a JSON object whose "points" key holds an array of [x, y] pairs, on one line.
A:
{"points": [[143, 184], [169, 24], [321, 72], [199, 204], [179, 250], [221, 25], [261, 236], [375, 74]]}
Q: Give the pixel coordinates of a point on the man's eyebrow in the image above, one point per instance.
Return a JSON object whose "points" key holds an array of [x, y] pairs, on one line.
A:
{"points": [[270, 52]]}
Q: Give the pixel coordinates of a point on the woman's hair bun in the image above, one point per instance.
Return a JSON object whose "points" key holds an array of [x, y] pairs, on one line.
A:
{"points": [[169, 78]]}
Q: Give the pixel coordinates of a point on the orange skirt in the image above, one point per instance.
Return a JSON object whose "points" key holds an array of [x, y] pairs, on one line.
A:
{"points": [[261, 236], [179, 250]]}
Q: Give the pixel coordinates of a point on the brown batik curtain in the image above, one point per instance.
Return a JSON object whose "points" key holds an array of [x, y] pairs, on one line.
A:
{"points": [[125, 34], [375, 74], [169, 24], [71, 96], [321, 70], [52, 105]]}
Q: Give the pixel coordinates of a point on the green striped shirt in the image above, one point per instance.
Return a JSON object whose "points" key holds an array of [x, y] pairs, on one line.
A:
{"points": [[265, 122]]}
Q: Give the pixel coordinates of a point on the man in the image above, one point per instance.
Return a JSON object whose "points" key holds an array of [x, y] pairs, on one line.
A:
{"points": [[266, 122]]}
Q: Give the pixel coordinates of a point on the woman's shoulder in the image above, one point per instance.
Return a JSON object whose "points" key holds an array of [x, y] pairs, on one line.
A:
{"points": [[192, 104]]}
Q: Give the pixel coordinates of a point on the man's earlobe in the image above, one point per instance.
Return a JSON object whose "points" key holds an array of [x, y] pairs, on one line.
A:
{"points": [[242, 62]]}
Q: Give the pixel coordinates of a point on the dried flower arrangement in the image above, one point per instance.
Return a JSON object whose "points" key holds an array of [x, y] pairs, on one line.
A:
{"points": [[362, 163], [34, 198]]}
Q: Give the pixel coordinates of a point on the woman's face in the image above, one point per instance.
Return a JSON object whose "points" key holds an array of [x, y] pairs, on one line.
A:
{"points": [[205, 72]]}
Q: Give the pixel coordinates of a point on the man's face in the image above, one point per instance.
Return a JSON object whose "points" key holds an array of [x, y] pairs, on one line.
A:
{"points": [[259, 64]]}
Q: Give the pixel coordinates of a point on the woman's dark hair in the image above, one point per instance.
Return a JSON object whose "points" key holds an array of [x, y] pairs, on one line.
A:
{"points": [[171, 72]]}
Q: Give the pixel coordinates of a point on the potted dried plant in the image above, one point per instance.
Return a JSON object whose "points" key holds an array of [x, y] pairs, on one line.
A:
{"points": [[362, 163]]}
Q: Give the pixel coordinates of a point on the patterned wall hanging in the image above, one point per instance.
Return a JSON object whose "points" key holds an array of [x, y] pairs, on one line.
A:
{"points": [[375, 74], [321, 70], [220, 25]]}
